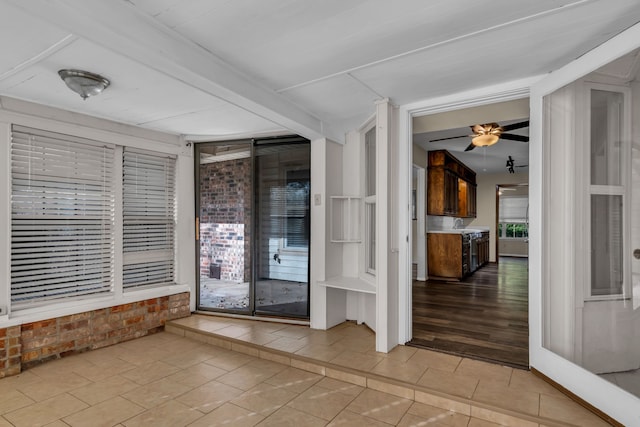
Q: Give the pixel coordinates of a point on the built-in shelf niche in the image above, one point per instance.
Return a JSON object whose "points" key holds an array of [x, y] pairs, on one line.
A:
{"points": [[345, 219]]}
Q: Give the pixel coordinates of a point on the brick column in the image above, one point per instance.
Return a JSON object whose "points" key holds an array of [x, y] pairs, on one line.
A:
{"points": [[10, 351]]}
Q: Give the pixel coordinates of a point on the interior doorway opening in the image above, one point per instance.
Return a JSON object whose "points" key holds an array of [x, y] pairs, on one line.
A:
{"points": [[482, 312]]}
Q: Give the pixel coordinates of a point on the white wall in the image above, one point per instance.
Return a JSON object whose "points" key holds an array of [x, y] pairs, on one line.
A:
{"points": [[486, 198]]}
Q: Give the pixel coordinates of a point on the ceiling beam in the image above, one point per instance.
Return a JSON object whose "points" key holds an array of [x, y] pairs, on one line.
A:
{"points": [[120, 27]]}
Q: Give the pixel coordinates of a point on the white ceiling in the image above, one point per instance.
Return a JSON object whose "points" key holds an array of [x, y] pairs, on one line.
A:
{"points": [[219, 69]]}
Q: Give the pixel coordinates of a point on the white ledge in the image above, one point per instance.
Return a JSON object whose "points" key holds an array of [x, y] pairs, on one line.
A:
{"points": [[349, 283]]}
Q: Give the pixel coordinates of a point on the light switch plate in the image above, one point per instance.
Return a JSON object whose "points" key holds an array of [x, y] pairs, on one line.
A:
{"points": [[317, 199]]}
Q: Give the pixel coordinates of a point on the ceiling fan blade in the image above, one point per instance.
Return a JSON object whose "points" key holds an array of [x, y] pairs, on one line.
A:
{"points": [[470, 147], [514, 126], [450, 137], [513, 137]]}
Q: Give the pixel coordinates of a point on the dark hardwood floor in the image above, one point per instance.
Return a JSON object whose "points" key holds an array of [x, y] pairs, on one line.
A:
{"points": [[485, 316]]}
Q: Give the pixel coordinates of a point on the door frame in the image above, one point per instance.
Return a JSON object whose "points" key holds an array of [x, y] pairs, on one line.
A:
{"points": [[252, 310], [508, 91]]}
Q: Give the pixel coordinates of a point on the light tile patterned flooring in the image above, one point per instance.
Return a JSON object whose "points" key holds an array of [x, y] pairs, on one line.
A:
{"points": [[167, 379]]}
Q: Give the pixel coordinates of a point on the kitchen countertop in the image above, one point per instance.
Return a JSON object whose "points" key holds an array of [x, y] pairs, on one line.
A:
{"points": [[459, 230]]}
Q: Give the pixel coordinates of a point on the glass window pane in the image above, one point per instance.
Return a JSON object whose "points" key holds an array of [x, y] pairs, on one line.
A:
{"points": [[606, 134], [370, 162], [606, 245], [370, 237]]}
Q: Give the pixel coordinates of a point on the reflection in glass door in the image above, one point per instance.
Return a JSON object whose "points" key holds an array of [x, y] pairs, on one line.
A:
{"points": [[253, 206], [224, 203], [282, 258]]}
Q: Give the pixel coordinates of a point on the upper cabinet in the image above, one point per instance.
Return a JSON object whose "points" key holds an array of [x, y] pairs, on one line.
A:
{"points": [[451, 186]]}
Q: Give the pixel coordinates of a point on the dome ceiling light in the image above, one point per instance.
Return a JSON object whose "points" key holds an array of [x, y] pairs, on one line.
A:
{"points": [[84, 83]]}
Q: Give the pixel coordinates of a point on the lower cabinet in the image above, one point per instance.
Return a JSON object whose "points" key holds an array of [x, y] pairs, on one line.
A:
{"points": [[447, 256], [456, 255]]}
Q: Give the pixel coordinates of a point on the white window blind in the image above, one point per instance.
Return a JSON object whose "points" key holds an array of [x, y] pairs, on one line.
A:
{"points": [[62, 217], [148, 219], [513, 209]]}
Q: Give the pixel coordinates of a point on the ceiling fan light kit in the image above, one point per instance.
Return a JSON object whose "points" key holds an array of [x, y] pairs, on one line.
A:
{"points": [[84, 83], [488, 134]]}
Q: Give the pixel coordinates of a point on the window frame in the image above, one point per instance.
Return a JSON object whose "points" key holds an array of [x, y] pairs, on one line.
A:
{"points": [[369, 200], [120, 135], [158, 256], [63, 196], [622, 189]]}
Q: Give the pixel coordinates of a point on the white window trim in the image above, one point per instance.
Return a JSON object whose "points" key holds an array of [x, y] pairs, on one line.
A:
{"points": [[121, 135], [584, 182], [367, 273]]}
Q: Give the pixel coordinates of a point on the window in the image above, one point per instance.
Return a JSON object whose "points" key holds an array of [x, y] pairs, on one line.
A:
{"points": [[148, 218], [65, 192], [62, 217], [513, 221], [607, 192], [370, 200]]}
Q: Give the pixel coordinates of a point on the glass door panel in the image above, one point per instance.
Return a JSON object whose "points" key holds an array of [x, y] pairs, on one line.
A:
{"points": [[224, 202], [283, 183], [586, 277]]}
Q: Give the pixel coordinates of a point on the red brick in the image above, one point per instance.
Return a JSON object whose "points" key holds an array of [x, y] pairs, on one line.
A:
{"points": [[64, 319], [14, 331], [133, 320], [78, 324], [14, 342], [83, 342], [14, 351], [57, 349], [27, 335], [3, 354], [39, 342], [120, 308], [3, 344], [28, 356], [75, 334], [3, 365], [3, 332], [101, 312]]}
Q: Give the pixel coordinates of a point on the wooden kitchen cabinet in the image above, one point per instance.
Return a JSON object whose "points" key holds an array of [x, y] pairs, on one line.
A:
{"points": [[447, 256], [451, 186]]}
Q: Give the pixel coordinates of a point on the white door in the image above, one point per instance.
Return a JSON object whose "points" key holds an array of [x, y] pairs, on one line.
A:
{"points": [[585, 215]]}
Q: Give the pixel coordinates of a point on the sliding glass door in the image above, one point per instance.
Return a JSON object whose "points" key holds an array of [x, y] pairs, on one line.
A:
{"points": [[282, 233], [224, 185], [253, 223]]}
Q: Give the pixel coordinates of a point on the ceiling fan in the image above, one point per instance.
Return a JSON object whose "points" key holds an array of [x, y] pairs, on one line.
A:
{"points": [[511, 164], [489, 133]]}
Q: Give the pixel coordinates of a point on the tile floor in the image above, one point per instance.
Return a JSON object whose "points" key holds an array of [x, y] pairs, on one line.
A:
{"points": [[167, 379], [443, 380]]}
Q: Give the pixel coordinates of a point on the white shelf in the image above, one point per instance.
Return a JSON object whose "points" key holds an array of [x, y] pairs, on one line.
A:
{"points": [[345, 219], [350, 284]]}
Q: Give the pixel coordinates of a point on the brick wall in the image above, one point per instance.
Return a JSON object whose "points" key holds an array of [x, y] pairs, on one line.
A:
{"points": [[33, 343], [225, 218]]}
